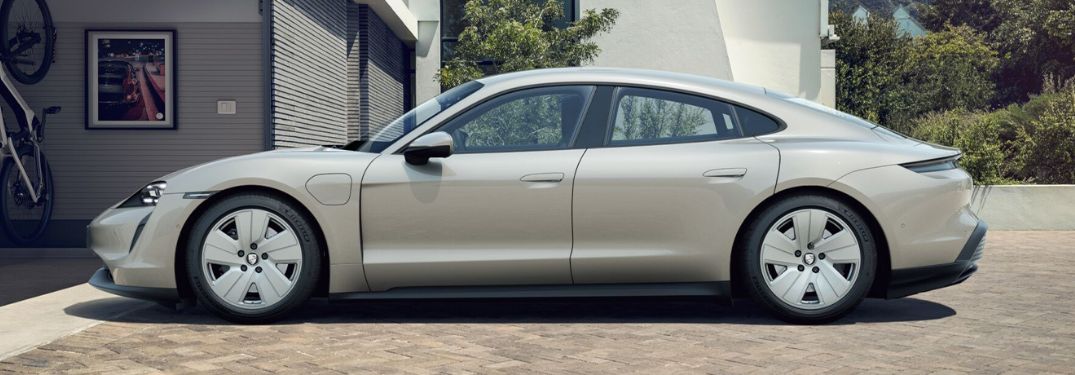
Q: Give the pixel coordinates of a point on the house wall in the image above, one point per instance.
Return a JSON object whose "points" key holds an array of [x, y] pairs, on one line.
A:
{"points": [[771, 43], [384, 80], [338, 71], [309, 72], [219, 56], [426, 49], [687, 37]]}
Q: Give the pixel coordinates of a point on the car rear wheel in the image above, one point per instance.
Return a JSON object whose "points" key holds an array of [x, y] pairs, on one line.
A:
{"points": [[809, 259], [253, 258]]}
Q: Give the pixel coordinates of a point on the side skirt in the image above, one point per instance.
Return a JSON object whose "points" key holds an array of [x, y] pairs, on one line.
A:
{"points": [[720, 289]]}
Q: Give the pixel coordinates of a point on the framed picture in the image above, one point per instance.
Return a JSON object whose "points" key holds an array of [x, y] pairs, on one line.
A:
{"points": [[130, 79]]}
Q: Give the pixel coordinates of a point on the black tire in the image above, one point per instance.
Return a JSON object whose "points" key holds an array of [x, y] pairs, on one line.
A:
{"points": [[19, 231], [48, 40], [756, 282], [310, 268]]}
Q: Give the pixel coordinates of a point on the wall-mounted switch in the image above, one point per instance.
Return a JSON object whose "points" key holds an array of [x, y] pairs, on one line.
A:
{"points": [[225, 107]]}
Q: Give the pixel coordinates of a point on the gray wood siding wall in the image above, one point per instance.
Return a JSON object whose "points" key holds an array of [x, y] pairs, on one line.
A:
{"points": [[309, 72], [94, 169], [354, 63], [383, 75]]}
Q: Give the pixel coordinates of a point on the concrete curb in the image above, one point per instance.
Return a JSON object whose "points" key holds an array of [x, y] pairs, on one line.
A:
{"points": [[28, 324], [1025, 207]]}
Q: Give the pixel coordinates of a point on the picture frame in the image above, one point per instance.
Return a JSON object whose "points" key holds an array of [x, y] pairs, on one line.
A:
{"points": [[131, 79]]}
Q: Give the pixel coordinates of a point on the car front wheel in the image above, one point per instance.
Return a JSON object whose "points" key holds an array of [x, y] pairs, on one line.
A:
{"points": [[253, 258], [809, 259]]}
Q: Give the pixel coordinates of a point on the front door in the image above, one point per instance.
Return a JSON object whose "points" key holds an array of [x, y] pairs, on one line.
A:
{"points": [[496, 212]]}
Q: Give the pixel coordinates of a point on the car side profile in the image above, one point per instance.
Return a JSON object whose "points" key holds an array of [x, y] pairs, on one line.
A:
{"points": [[561, 183]]}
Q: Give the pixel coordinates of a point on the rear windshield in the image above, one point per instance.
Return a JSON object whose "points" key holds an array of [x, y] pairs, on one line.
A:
{"points": [[830, 111]]}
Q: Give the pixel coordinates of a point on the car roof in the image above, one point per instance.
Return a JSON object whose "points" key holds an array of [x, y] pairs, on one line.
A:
{"points": [[621, 76]]}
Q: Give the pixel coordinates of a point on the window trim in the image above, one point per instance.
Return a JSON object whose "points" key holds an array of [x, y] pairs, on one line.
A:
{"points": [[589, 100]]}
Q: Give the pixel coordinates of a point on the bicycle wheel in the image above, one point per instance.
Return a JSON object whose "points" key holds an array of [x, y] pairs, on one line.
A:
{"points": [[27, 39], [23, 220]]}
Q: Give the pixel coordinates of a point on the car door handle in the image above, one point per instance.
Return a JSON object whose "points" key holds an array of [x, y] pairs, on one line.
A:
{"points": [[726, 172], [543, 177]]}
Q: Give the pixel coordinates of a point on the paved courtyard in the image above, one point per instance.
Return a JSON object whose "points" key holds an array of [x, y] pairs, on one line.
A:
{"points": [[1015, 316]]}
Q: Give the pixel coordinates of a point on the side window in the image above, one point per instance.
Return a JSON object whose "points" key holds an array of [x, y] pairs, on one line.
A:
{"points": [[645, 116], [754, 123], [542, 118]]}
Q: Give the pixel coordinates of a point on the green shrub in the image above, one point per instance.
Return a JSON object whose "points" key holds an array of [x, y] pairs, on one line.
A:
{"points": [[1047, 142], [1032, 143], [890, 78], [979, 135]]}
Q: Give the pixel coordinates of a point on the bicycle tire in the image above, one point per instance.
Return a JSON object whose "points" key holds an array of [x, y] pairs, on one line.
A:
{"points": [[14, 235], [49, 41]]}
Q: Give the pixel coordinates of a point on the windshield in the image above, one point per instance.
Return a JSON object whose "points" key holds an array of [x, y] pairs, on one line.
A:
{"points": [[415, 118]]}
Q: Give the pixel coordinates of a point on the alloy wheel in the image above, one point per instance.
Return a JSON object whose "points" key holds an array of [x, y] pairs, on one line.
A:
{"points": [[810, 258], [251, 258]]}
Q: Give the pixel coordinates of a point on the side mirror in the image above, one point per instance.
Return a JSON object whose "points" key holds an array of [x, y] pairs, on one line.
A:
{"points": [[432, 145]]}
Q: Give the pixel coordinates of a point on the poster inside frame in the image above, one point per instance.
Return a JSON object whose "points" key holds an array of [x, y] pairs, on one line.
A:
{"points": [[130, 79]]}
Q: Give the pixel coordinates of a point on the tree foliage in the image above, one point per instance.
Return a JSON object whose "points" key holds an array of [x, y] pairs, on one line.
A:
{"points": [[1031, 142], [888, 77], [1047, 144], [1034, 38], [512, 35], [977, 134], [951, 69], [870, 57]]}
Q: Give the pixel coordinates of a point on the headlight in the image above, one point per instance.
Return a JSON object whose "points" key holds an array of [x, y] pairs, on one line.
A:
{"points": [[148, 196]]}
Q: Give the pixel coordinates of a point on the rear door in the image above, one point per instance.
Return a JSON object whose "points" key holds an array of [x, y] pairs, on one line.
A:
{"points": [[663, 197]]}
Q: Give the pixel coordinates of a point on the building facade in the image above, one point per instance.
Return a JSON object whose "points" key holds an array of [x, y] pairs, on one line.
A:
{"points": [[318, 72]]}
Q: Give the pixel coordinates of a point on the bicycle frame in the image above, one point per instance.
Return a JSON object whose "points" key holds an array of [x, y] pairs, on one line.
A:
{"points": [[26, 118]]}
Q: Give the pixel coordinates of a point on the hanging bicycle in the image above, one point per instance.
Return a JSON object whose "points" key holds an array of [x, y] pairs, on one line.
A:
{"points": [[27, 193]]}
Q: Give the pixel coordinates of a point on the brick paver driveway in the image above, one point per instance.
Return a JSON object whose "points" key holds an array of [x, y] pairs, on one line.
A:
{"points": [[1016, 315]]}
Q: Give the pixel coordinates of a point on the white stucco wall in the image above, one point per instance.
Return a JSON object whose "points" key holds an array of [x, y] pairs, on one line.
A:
{"points": [[680, 36], [426, 49], [771, 43]]}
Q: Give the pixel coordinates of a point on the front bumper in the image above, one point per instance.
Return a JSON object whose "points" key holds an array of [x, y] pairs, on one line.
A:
{"points": [[908, 281], [102, 279], [138, 245]]}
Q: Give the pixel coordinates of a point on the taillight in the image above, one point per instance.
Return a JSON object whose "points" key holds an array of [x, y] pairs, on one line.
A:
{"points": [[934, 165]]}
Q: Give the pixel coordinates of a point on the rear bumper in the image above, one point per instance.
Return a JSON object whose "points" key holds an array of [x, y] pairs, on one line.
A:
{"points": [[908, 281], [102, 279]]}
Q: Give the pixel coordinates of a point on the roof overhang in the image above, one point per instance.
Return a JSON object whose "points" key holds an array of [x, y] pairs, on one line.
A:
{"points": [[397, 16]]}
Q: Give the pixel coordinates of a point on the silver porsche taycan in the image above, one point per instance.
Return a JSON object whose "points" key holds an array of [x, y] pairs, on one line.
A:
{"points": [[561, 183]]}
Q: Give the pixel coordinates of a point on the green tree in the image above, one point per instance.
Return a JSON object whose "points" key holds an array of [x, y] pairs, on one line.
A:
{"points": [[870, 58], [1034, 38], [887, 77], [944, 70], [1047, 143], [513, 35]]}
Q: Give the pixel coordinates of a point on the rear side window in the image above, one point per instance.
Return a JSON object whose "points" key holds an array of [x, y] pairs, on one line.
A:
{"points": [[649, 116], [754, 123], [645, 116]]}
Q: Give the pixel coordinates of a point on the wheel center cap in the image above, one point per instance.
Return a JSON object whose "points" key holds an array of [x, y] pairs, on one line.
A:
{"points": [[251, 258], [809, 259]]}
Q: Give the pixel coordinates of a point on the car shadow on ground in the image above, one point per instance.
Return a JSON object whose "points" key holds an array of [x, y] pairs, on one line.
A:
{"points": [[622, 310]]}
